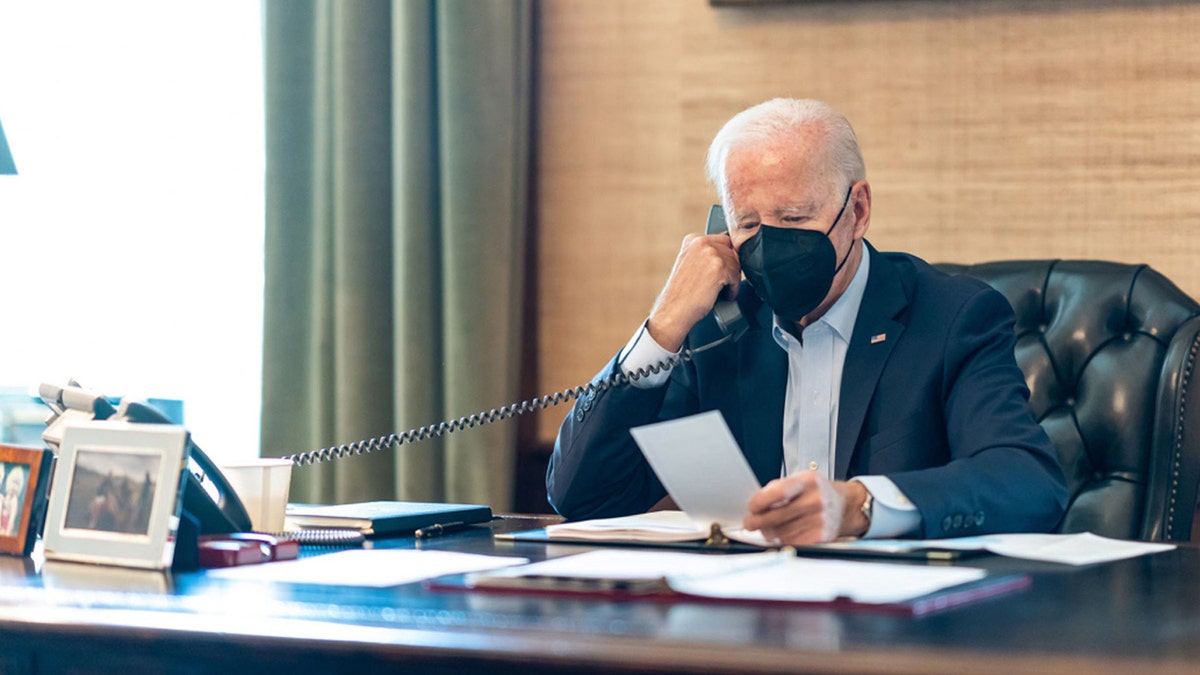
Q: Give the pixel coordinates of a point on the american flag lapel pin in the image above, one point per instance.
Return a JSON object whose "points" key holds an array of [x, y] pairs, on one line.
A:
{"points": [[876, 339]]}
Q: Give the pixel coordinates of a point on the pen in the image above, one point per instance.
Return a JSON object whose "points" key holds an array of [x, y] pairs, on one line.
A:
{"points": [[438, 529]]}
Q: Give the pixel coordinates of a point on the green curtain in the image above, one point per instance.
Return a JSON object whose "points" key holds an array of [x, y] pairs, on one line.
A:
{"points": [[398, 143]]}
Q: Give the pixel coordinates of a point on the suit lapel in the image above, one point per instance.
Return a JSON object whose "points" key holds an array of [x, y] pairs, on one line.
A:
{"points": [[876, 332]]}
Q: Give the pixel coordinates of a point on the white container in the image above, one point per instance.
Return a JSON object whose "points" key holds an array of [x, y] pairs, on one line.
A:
{"points": [[263, 486]]}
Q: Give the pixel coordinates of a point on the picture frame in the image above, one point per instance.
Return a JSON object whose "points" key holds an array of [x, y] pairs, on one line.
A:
{"points": [[117, 494], [24, 477]]}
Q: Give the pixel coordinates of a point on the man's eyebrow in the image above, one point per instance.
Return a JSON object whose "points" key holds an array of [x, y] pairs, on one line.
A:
{"points": [[805, 208], [799, 209], [739, 216]]}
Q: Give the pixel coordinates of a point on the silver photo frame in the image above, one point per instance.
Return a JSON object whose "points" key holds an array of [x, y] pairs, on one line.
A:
{"points": [[117, 494]]}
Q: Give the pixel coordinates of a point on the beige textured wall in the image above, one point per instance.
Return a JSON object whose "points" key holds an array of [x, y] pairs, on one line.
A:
{"points": [[991, 130]]}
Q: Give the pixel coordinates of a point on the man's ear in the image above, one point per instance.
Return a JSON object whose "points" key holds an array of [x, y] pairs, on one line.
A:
{"points": [[861, 196]]}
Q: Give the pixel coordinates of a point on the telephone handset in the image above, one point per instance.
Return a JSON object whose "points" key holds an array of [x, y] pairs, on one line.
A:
{"points": [[210, 499], [726, 312]]}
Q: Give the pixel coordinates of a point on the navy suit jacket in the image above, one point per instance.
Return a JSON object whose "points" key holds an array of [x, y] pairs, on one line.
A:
{"points": [[931, 397]]}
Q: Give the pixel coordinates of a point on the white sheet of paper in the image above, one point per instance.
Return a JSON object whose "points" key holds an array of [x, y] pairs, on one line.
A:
{"points": [[625, 564], [368, 567], [701, 466], [803, 579], [1083, 548]]}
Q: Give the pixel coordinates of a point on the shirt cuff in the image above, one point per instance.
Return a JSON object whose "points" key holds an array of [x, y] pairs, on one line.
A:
{"points": [[892, 514], [641, 353]]}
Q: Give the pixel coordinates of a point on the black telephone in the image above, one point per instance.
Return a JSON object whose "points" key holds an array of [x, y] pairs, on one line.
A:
{"points": [[208, 497], [216, 507], [727, 313]]}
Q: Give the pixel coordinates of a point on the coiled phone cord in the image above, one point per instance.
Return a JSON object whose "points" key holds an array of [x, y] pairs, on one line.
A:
{"points": [[479, 419]]}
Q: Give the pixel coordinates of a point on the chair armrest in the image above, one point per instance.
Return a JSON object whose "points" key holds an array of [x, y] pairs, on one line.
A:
{"points": [[1174, 470]]}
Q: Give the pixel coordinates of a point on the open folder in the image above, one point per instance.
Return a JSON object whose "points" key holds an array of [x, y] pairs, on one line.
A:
{"points": [[675, 530], [656, 527], [767, 577]]}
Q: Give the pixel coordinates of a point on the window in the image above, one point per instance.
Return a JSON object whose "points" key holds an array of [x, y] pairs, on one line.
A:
{"points": [[131, 242]]}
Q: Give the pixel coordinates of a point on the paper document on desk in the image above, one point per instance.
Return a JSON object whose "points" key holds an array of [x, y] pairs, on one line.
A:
{"points": [[367, 567], [700, 464], [612, 569], [806, 580], [1084, 548], [776, 576]]}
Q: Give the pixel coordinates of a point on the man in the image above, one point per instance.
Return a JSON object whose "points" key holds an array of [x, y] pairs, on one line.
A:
{"points": [[873, 395]]}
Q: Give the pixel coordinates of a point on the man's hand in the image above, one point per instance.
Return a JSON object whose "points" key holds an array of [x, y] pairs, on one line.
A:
{"points": [[706, 265], [806, 508]]}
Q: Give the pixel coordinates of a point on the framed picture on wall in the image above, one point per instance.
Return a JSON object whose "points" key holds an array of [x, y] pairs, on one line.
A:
{"points": [[24, 476], [737, 3], [117, 494]]}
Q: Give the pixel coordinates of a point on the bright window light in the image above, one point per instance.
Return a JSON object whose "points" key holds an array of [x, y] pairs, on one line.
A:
{"points": [[131, 242]]}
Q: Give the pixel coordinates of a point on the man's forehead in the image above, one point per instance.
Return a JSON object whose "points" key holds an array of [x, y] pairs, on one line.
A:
{"points": [[797, 154], [776, 156], [785, 149], [795, 178]]}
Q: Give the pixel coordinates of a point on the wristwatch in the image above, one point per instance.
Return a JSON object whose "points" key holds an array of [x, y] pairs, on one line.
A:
{"points": [[867, 506]]}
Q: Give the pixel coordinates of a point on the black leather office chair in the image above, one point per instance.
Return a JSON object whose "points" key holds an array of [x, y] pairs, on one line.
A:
{"points": [[1109, 353]]}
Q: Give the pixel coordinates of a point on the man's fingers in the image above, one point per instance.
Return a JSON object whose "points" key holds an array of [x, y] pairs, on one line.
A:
{"points": [[779, 492], [799, 509], [800, 532], [803, 507]]}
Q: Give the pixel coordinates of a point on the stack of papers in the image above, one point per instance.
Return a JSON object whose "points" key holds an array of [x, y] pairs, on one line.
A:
{"points": [[777, 576]]}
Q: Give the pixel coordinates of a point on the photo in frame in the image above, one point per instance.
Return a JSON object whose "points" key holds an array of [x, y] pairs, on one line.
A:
{"points": [[117, 494], [24, 478]]}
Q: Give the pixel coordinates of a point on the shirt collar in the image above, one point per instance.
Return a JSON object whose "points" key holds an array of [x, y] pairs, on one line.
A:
{"points": [[842, 315]]}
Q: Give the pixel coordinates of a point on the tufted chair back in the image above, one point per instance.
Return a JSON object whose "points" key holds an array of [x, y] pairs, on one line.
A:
{"points": [[1109, 354]]}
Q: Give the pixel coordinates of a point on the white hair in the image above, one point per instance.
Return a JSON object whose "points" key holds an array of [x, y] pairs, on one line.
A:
{"points": [[778, 119]]}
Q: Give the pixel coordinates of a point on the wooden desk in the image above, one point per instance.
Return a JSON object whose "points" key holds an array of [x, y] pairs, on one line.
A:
{"points": [[1140, 615]]}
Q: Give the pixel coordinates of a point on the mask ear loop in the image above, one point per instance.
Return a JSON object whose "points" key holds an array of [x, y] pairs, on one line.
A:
{"points": [[837, 220]]}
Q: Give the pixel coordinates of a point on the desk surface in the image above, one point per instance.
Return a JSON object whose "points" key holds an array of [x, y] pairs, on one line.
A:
{"points": [[1130, 616]]}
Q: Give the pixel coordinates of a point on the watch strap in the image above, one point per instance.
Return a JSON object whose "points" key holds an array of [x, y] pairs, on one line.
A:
{"points": [[868, 506]]}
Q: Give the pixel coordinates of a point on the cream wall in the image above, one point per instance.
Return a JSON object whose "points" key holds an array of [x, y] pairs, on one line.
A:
{"points": [[991, 130]]}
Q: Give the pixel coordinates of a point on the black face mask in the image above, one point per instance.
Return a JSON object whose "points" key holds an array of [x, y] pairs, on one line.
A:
{"points": [[792, 270]]}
